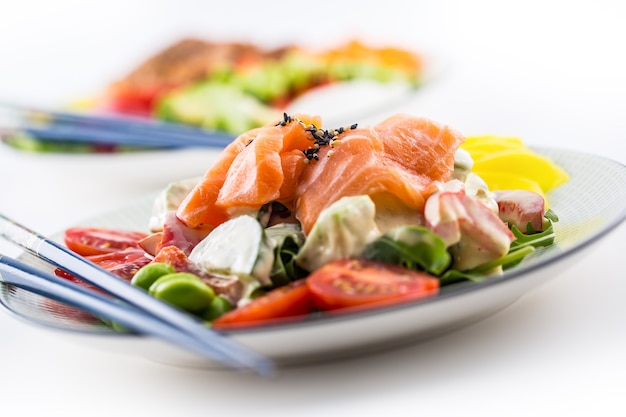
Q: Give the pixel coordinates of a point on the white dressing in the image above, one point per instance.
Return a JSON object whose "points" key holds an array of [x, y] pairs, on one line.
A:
{"points": [[237, 247], [463, 164]]}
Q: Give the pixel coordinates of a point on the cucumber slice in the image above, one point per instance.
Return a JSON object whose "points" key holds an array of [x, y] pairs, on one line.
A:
{"points": [[342, 230], [237, 247]]}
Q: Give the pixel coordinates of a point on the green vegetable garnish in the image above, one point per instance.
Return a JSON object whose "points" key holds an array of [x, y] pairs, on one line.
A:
{"points": [[413, 247], [288, 239], [418, 248], [523, 245]]}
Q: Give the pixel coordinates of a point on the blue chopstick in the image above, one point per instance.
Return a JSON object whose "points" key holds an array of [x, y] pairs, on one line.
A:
{"points": [[219, 346], [94, 135], [50, 125], [27, 277]]}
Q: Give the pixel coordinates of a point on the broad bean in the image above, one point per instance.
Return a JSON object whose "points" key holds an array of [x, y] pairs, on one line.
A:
{"points": [[183, 290], [148, 274], [218, 306]]}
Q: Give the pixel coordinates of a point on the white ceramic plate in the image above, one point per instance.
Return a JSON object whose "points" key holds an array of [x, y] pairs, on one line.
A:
{"points": [[589, 206]]}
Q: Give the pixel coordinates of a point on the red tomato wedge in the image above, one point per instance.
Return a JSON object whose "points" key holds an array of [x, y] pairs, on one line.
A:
{"points": [[292, 300], [355, 283], [87, 241]]}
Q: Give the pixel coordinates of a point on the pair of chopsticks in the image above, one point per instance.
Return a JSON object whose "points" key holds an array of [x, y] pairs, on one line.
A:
{"points": [[132, 308], [69, 127]]}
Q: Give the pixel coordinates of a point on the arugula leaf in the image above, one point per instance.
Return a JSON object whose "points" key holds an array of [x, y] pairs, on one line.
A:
{"points": [[452, 276], [512, 258], [288, 239], [551, 216], [414, 247], [536, 240]]}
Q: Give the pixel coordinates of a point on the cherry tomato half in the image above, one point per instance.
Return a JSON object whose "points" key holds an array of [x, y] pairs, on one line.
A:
{"points": [[355, 283], [88, 241], [292, 300]]}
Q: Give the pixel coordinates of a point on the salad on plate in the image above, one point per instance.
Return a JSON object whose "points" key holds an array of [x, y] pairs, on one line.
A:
{"points": [[295, 220]]}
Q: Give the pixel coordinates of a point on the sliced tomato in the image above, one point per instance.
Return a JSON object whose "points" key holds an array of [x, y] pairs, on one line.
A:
{"points": [[355, 283], [87, 241], [292, 300], [64, 274], [124, 263], [65, 311]]}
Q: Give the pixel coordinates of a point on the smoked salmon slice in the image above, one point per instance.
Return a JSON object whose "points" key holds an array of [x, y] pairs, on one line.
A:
{"points": [[259, 166], [397, 162]]}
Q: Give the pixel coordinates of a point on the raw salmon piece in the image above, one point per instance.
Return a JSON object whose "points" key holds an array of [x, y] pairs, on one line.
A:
{"points": [[199, 204], [260, 166], [293, 163], [398, 161], [424, 148], [255, 175]]}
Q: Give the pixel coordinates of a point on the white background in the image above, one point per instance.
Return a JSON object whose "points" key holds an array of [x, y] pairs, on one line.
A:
{"points": [[551, 72]]}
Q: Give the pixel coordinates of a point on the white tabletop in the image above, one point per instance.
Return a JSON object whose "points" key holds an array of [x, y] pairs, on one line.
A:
{"points": [[550, 72]]}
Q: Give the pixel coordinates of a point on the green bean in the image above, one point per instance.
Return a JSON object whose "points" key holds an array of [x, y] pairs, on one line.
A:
{"points": [[183, 290], [148, 274]]}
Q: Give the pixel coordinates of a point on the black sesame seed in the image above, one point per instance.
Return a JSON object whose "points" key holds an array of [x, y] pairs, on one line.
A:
{"points": [[320, 137]]}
